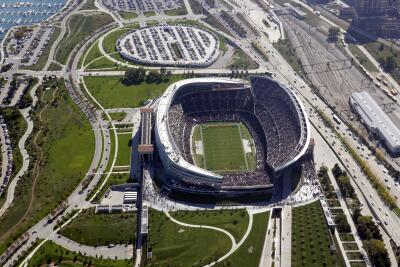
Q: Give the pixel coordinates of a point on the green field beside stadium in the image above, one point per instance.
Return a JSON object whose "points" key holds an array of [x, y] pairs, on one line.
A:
{"points": [[223, 149]]}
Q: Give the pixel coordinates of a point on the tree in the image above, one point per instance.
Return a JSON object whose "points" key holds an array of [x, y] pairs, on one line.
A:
{"points": [[153, 76], [345, 186], [134, 76], [390, 64], [333, 33], [367, 229], [342, 224], [377, 253], [337, 171]]}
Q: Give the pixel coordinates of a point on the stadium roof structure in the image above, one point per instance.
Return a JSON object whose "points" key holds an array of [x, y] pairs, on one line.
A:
{"points": [[376, 119]]}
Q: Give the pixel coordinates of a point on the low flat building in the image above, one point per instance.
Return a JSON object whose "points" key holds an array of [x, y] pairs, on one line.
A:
{"points": [[376, 120]]}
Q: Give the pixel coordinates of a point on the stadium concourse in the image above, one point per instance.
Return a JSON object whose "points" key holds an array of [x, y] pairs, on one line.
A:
{"points": [[272, 113]]}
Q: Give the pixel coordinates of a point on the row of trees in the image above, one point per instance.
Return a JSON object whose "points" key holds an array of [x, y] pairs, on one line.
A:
{"points": [[367, 229], [343, 181], [139, 75]]}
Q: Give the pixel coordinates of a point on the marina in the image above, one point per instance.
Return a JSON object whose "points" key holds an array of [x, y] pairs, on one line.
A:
{"points": [[13, 13]]}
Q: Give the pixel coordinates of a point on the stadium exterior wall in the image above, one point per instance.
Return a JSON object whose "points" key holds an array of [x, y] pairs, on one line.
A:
{"points": [[178, 167]]}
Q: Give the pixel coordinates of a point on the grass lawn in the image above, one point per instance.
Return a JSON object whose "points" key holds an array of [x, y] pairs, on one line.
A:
{"points": [[311, 240], [234, 221], [92, 54], [103, 63], [53, 253], [354, 255], [251, 156], [114, 179], [149, 13], [242, 60], [81, 26], [223, 147], [346, 237], [124, 149], [45, 55], [249, 253], [54, 67], [89, 5], [350, 246], [333, 203], [128, 15], [93, 229], [175, 245], [176, 12], [111, 93], [287, 53], [117, 116], [358, 264], [362, 58], [67, 147], [196, 137]]}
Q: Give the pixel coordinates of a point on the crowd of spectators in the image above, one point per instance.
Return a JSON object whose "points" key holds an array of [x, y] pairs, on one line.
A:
{"points": [[278, 115], [265, 108], [190, 109]]}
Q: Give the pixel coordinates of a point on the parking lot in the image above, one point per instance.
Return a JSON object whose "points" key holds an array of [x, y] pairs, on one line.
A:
{"points": [[142, 5], [170, 45]]}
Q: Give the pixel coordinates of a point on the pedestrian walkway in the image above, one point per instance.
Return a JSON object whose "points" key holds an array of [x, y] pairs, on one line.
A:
{"points": [[286, 237]]}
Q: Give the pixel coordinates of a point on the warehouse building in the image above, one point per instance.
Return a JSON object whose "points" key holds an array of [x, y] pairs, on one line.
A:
{"points": [[376, 120]]}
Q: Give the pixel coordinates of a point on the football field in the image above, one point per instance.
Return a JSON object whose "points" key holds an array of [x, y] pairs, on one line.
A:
{"points": [[223, 147]]}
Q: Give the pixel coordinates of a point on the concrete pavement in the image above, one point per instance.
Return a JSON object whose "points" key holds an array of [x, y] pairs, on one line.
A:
{"points": [[286, 237], [266, 258]]}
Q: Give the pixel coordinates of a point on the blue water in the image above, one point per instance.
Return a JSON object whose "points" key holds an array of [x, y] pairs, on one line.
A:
{"points": [[26, 12]]}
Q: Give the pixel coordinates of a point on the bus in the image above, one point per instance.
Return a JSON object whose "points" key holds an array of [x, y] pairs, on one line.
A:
{"points": [[336, 119]]}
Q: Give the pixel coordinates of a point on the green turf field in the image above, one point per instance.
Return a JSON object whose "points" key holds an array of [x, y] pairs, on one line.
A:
{"points": [[223, 147]]}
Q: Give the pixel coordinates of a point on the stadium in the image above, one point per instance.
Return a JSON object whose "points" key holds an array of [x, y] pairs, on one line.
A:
{"points": [[228, 137]]}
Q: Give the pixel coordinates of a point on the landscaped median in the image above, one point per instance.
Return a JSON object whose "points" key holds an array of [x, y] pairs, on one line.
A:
{"points": [[375, 181]]}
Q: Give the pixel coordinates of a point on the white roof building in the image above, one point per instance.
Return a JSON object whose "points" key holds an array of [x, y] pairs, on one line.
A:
{"points": [[376, 120]]}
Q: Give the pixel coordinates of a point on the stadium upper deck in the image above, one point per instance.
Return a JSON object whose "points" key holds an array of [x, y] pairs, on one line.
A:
{"points": [[273, 113]]}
